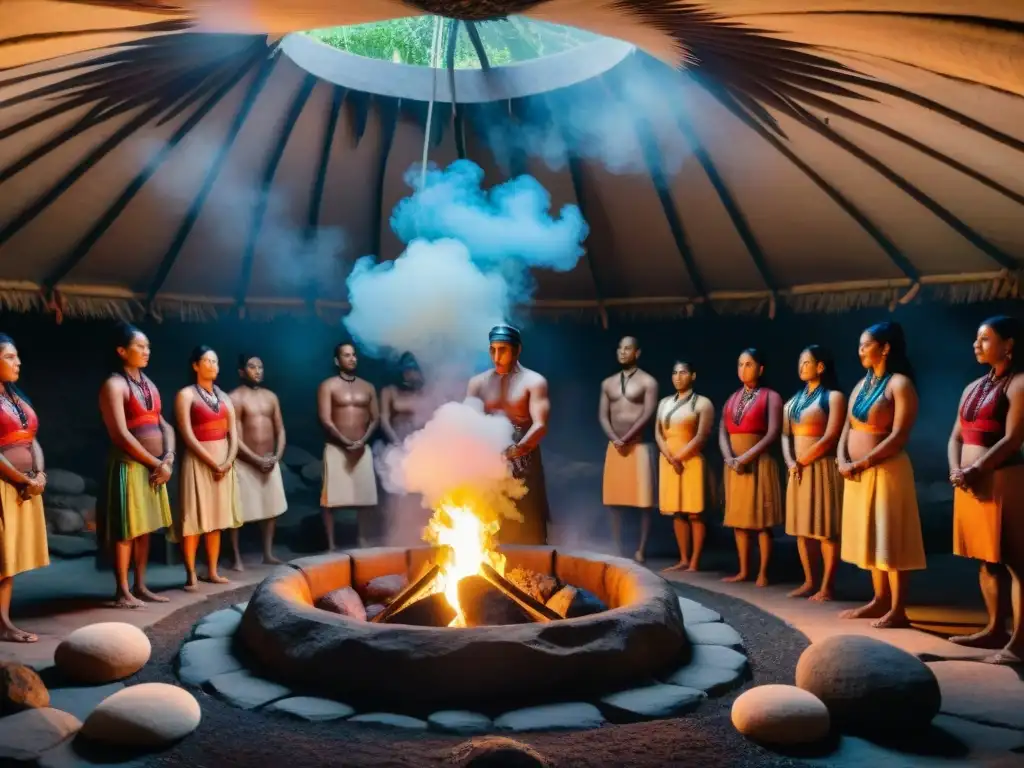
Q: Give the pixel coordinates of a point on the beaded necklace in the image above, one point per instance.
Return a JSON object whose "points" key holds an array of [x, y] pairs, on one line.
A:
{"points": [[690, 399], [870, 392], [142, 386], [980, 392], [211, 400], [804, 399], [748, 397], [11, 399]]}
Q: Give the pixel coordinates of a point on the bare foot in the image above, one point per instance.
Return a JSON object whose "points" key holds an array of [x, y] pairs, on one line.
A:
{"points": [[1005, 657], [192, 584], [680, 566], [127, 601], [639, 557], [987, 639], [876, 609], [694, 567], [821, 596], [892, 620], [803, 590], [762, 581], [216, 578], [143, 593], [271, 560], [734, 579], [15, 635], [237, 566]]}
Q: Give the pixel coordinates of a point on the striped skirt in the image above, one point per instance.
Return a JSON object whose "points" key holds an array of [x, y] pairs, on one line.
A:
{"points": [[23, 544], [881, 523], [130, 506], [814, 503]]}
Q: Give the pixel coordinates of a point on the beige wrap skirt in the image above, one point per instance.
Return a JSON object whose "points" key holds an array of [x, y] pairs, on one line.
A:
{"points": [[753, 497]]}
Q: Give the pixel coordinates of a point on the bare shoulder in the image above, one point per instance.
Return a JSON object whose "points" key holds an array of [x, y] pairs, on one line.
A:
{"points": [[185, 394], [329, 384], [1016, 386], [114, 383], [647, 380], [703, 403], [534, 380], [774, 396], [902, 384], [237, 394], [836, 397], [609, 381]]}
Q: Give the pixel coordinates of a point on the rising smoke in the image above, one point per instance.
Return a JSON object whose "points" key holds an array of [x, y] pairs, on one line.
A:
{"points": [[466, 265]]}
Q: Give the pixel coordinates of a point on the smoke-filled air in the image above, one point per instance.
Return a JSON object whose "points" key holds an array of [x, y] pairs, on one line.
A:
{"points": [[465, 267]]}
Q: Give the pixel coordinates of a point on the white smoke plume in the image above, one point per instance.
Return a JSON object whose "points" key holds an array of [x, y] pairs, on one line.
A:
{"points": [[465, 267]]}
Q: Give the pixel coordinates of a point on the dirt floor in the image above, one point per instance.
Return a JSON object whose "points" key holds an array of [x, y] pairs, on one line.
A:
{"points": [[234, 737]]}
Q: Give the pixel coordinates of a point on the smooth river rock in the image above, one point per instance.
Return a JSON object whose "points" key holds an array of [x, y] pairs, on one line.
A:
{"points": [[716, 633], [203, 659], [712, 680], [245, 690], [311, 708], [103, 652], [695, 613], [781, 714], [149, 715], [460, 721], [393, 720]]}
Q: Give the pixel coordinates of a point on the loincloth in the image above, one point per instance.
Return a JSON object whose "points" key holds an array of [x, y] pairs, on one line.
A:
{"points": [[533, 506], [261, 495], [629, 478], [349, 480]]}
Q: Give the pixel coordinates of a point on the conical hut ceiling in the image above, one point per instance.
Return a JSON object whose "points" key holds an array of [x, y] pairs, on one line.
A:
{"points": [[821, 154]]}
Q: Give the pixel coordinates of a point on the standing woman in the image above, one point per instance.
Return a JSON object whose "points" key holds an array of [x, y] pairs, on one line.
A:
{"points": [[751, 423], [209, 485], [141, 459], [812, 424], [683, 423], [986, 468], [23, 544], [881, 524]]}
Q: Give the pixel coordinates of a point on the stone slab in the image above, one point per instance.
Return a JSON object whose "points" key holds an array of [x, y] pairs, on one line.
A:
{"points": [[695, 613], [986, 693], [460, 721], [203, 659], [714, 681], [221, 623], [240, 607], [551, 717], [718, 656], [717, 633], [388, 718], [25, 735], [655, 701], [311, 708], [81, 701], [244, 690]]}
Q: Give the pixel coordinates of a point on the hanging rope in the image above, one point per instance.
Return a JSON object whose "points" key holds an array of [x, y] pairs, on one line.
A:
{"points": [[435, 52]]}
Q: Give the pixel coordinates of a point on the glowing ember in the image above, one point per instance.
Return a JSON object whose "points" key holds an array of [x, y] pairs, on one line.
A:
{"points": [[466, 540]]}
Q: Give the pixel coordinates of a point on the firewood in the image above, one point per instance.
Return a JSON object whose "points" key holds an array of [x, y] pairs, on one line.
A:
{"points": [[430, 611], [485, 605], [537, 611], [408, 595]]}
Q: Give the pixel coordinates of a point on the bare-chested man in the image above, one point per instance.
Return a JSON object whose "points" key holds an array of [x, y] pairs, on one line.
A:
{"points": [[260, 447], [522, 395], [347, 407], [401, 406], [628, 401]]}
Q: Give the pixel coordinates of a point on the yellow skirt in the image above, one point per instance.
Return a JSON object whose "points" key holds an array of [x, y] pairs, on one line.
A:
{"points": [[988, 521], [753, 498], [23, 544], [814, 503], [682, 493], [881, 523], [629, 480], [205, 504]]}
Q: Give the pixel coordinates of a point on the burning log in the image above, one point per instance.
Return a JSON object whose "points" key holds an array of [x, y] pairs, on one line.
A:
{"points": [[430, 611], [536, 610], [410, 594], [485, 605]]}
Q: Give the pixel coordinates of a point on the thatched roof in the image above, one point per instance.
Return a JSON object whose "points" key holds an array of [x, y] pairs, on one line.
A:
{"points": [[820, 154]]}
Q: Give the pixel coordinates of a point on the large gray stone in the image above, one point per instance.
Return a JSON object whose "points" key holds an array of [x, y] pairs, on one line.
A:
{"points": [[80, 702], [244, 690], [655, 701], [221, 623], [551, 717], [393, 720], [61, 545], [203, 659], [869, 685], [712, 680], [311, 708], [296, 457], [61, 482], [987, 693], [27, 734], [695, 613], [460, 721], [714, 634]]}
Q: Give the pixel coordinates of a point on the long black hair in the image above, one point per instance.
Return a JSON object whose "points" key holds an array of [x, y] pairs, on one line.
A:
{"points": [[1010, 329], [891, 333], [196, 356], [123, 335], [12, 389]]}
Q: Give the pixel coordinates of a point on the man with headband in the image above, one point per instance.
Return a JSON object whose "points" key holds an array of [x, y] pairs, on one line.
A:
{"points": [[522, 395]]}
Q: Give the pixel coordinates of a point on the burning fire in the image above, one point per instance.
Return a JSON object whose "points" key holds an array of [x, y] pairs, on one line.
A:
{"points": [[467, 541]]}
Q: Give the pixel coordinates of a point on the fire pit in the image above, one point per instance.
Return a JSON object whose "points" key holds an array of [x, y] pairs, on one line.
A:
{"points": [[376, 663]]}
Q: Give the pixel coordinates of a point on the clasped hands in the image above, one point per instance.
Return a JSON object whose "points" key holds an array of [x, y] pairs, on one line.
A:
{"points": [[851, 470], [35, 486], [964, 478]]}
